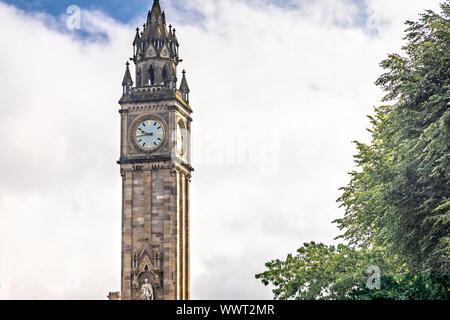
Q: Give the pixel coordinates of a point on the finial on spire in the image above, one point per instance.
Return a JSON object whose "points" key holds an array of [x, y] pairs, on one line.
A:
{"points": [[136, 38], [127, 80], [156, 6], [184, 88]]}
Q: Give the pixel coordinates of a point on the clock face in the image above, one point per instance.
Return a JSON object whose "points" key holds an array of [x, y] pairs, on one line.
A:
{"points": [[150, 134]]}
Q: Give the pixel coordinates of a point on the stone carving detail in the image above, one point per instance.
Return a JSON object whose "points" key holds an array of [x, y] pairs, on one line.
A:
{"points": [[146, 273], [157, 258], [146, 167]]}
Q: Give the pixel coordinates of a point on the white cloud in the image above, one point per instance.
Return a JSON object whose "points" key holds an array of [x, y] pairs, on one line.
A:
{"points": [[296, 75]]}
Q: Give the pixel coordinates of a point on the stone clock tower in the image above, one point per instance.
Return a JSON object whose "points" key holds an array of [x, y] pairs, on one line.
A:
{"points": [[155, 168]]}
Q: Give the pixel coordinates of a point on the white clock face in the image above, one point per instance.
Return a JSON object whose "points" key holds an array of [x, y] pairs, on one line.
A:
{"points": [[150, 134]]}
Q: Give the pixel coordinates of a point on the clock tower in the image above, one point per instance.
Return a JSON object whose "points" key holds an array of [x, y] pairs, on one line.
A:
{"points": [[155, 166]]}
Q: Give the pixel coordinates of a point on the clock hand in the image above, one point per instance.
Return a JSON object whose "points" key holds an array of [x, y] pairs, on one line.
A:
{"points": [[146, 134]]}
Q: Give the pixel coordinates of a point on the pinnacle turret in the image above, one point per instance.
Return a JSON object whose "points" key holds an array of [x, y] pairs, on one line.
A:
{"points": [[156, 7], [137, 38], [127, 82], [184, 88]]}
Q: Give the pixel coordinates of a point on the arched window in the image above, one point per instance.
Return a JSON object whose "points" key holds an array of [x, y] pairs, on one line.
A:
{"points": [[164, 75], [151, 76], [139, 77]]}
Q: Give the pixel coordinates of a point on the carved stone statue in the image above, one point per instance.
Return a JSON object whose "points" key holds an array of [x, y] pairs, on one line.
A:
{"points": [[147, 291]]}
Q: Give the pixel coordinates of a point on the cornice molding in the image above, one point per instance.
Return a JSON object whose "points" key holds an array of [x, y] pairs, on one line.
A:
{"points": [[155, 163]]}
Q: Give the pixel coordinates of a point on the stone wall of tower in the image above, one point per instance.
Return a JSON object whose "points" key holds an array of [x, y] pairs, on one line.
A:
{"points": [[155, 216], [155, 207]]}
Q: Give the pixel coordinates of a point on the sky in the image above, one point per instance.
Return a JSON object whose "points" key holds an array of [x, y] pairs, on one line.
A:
{"points": [[279, 89]]}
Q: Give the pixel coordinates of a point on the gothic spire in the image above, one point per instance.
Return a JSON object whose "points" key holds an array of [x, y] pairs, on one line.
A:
{"points": [[174, 36], [127, 80], [184, 85], [137, 38], [155, 52], [156, 7], [184, 88], [156, 23]]}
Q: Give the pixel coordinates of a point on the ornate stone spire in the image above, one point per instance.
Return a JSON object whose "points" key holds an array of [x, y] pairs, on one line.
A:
{"points": [[156, 39], [156, 28], [184, 88], [137, 38], [156, 55], [156, 7], [127, 80]]}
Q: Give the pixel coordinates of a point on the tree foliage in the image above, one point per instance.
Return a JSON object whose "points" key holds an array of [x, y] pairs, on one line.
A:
{"points": [[406, 287], [397, 203], [399, 198], [324, 272]]}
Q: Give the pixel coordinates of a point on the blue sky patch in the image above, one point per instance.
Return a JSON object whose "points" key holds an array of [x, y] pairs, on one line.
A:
{"points": [[118, 9], [127, 11]]}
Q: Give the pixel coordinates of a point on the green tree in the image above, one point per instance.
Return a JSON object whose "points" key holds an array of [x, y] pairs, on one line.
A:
{"points": [[397, 203], [319, 271], [399, 198], [406, 287]]}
